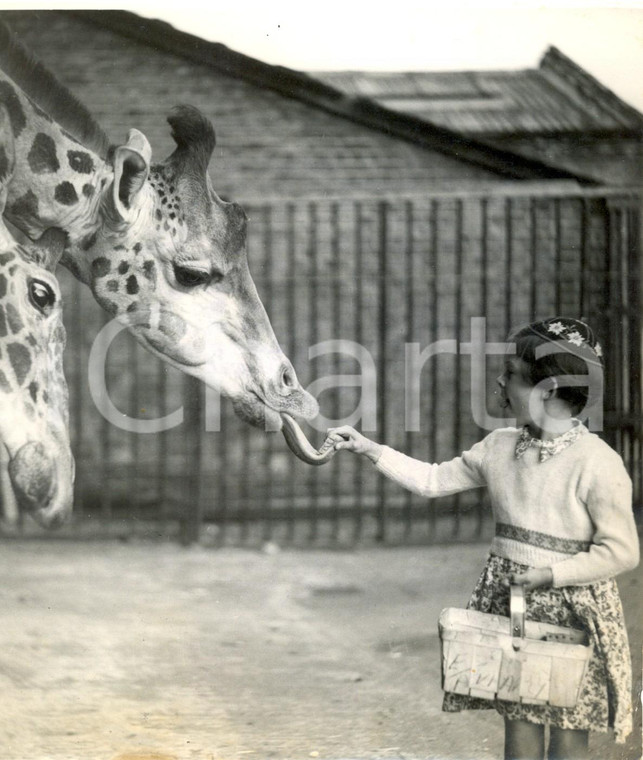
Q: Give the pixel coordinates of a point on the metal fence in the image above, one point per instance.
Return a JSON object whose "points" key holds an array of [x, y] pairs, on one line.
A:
{"points": [[380, 274]]}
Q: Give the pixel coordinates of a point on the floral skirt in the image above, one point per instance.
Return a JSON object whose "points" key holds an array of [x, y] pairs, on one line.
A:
{"points": [[605, 700]]}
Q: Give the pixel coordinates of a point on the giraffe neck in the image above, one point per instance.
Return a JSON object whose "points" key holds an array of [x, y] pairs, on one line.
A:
{"points": [[57, 181]]}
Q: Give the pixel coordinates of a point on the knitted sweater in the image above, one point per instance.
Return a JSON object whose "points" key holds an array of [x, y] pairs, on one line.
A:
{"points": [[571, 512]]}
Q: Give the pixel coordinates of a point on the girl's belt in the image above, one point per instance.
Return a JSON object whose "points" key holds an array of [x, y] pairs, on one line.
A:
{"points": [[541, 540]]}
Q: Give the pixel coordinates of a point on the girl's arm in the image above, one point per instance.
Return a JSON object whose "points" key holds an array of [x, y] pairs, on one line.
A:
{"points": [[615, 544], [425, 479]]}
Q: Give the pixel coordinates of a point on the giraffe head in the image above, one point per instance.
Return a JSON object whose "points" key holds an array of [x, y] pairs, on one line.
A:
{"points": [[159, 249], [170, 260], [33, 391]]}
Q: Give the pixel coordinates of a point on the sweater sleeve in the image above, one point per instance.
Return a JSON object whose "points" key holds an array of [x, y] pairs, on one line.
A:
{"points": [[615, 544], [426, 479]]}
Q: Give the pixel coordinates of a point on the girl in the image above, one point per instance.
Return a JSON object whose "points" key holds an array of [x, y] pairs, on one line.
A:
{"points": [[562, 503]]}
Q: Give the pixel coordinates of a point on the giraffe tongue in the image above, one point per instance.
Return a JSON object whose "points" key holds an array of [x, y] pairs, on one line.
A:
{"points": [[32, 475], [300, 446]]}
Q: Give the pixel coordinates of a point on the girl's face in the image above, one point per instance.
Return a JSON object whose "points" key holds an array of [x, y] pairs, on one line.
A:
{"points": [[517, 393]]}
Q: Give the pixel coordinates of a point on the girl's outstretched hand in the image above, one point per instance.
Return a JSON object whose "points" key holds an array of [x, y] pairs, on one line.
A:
{"points": [[346, 437]]}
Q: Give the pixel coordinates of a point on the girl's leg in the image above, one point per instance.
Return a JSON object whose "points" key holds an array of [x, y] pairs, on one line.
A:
{"points": [[523, 740], [567, 744]]}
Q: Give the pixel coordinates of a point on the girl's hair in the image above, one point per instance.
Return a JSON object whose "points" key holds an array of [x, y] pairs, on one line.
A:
{"points": [[559, 346]]}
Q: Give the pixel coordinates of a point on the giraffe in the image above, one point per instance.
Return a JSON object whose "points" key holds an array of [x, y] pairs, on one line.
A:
{"points": [[159, 249], [34, 418]]}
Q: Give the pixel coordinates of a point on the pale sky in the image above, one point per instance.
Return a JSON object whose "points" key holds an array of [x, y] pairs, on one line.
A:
{"points": [[604, 38], [406, 35]]}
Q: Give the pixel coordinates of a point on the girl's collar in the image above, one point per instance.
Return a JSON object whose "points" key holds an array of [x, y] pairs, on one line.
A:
{"points": [[551, 447]]}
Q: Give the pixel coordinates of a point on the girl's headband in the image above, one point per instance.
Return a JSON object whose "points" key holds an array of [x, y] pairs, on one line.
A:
{"points": [[572, 336]]}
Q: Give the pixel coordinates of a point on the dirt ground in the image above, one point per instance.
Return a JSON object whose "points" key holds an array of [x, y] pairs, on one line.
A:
{"points": [[115, 651]]}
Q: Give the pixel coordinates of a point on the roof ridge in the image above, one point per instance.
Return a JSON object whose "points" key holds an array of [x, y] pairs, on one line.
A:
{"points": [[307, 89], [556, 62]]}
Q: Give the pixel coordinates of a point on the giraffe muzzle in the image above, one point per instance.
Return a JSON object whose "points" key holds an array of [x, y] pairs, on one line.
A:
{"points": [[38, 485]]}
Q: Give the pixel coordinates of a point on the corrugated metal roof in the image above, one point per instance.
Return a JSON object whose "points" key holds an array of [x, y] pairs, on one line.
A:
{"points": [[557, 97]]}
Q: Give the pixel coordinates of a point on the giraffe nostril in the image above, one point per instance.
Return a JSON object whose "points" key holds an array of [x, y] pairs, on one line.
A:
{"points": [[288, 378]]}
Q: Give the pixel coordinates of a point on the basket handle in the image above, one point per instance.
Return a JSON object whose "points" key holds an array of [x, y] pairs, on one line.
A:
{"points": [[517, 608]]}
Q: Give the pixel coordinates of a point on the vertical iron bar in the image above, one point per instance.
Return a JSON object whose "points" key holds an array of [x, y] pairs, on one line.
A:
{"points": [[509, 260], [558, 245], [313, 291], [291, 319], [533, 254], [191, 526], [135, 448], [634, 300], [382, 252], [336, 334], [457, 411], [434, 390], [409, 283], [583, 257], [77, 397], [162, 464], [105, 463], [265, 504], [484, 297], [358, 480]]}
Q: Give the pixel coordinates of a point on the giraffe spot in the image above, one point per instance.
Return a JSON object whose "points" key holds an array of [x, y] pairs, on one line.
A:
{"points": [[89, 241], [4, 163], [88, 190], [80, 161], [101, 266], [109, 306], [172, 215], [9, 98], [138, 247], [120, 247], [123, 267], [6, 258], [3, 323], [45, 397], [20, 360], [42, 156], [3, 286], [26, 206], [65, 194], [158, 214], [4, 383], [112, 286], [13, 317], [33, 390], [31, 340], [149, 270], [132, 285]]}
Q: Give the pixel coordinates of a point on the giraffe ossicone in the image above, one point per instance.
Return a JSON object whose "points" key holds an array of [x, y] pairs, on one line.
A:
{"points": [[156, 245], [34, 418]]}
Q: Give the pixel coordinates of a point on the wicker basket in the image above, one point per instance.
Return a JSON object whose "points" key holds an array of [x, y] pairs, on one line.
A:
{"points": [[495, 657]]}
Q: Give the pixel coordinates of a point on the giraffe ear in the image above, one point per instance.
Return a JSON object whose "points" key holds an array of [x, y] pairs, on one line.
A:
{"points": [[51, 246], [131, 169]]}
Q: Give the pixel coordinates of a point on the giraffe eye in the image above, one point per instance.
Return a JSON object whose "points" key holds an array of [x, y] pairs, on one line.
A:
{"points": [[190, 278], [41, 295]]}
